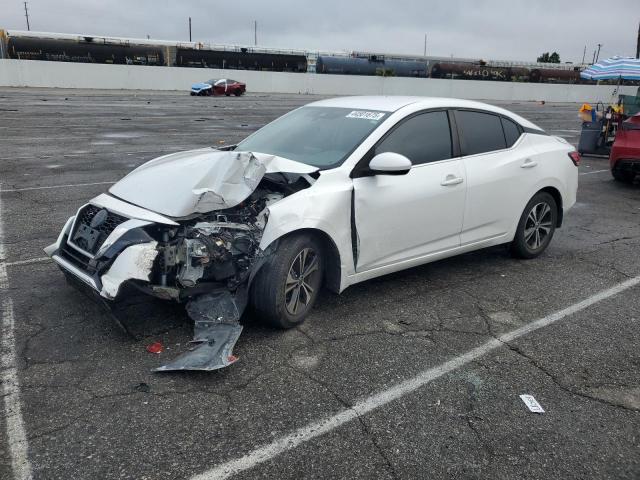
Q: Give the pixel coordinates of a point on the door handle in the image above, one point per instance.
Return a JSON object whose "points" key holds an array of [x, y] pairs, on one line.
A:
{"points": [[451, 180], [528, 163]]}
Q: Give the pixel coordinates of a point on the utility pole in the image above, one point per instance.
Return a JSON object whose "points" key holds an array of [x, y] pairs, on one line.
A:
{"points": [[425, 45], [598, 54], [255, 32], [583, 54], [638, 45], [189, 28], [26, 14]]}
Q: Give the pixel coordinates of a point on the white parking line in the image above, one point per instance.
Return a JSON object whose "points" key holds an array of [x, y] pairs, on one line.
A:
{"points": [[17, 263], [9, 382], [595, 171], [327, 424], [55, 186]]}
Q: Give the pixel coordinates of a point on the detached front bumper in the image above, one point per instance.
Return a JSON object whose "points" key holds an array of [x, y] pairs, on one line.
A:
{"points": [[105, 253]]}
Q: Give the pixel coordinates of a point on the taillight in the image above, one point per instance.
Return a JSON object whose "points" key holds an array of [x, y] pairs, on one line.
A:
{"points": [[575, 157]]}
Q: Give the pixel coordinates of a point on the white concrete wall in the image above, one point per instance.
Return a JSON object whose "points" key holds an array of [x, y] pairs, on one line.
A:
{"points": [[26, 73]]}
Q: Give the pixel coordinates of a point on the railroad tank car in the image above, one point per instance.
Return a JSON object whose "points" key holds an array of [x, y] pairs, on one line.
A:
{"points": [[552, 75], [240, 60], [87, 50], [370, 66], [464, 71]]}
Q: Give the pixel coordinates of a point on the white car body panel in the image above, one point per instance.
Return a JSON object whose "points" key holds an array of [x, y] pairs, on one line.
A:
{"points": [[498, 188], [200, 181], [325, 207], [386, 204]]}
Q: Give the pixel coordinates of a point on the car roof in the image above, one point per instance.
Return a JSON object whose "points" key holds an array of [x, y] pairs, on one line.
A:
{"points": [[394, 103]]}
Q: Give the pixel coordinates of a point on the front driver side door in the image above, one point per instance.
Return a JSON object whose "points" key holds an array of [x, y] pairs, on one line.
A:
{"points": [[403, 217]]}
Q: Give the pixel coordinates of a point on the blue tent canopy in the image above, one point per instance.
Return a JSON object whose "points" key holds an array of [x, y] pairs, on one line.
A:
{"points": [[627, 68]]}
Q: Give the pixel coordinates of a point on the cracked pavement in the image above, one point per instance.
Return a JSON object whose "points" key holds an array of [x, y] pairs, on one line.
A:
{"points": [[93, 408]]}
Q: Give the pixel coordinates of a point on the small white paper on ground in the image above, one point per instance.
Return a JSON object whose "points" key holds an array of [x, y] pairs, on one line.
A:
{"points": [[532, 403]]}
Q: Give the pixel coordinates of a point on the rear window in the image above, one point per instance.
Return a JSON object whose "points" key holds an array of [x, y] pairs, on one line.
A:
{"points": [[480, 132], [511, 131]]}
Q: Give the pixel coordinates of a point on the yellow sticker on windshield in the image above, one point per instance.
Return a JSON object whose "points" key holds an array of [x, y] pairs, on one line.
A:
{"points": [[366, 115]]}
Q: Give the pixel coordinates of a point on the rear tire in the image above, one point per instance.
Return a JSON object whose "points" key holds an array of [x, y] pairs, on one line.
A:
{"points": [[238, 92], [286, 287], [536, 226], [624, 177]]}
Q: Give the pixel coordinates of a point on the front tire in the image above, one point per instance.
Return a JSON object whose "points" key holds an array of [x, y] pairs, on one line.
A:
{"points": [[287, 285], [536, 226]]}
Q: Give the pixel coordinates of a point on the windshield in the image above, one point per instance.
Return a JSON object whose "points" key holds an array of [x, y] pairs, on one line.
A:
{"points": [[319, 136]]}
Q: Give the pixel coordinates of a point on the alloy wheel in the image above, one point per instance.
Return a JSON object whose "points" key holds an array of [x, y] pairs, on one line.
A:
{"points": [[538, 225], [298, 291]]}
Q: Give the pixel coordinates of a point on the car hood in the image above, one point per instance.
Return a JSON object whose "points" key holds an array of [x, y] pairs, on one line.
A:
{"points": [[200, 181], [200, 86]]}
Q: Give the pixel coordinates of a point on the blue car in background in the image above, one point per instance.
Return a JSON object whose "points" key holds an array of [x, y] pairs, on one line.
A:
{"points": [[222, 86]]}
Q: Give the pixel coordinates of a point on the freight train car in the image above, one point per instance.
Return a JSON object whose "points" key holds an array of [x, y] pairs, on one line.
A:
{"points": [[84, 50], [373, 65], [464, 71], [552, 75], [240, 60]]}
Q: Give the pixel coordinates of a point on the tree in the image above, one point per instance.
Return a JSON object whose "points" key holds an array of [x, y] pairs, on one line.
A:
{"points": [[546, 58]]}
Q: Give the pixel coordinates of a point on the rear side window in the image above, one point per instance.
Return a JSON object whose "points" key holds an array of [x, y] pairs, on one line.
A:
{"points": [[511, 131], [480, 132], [422, 139]]}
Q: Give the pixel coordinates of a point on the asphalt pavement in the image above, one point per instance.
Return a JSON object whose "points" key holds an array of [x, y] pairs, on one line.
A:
{"points": [[414, 375]]}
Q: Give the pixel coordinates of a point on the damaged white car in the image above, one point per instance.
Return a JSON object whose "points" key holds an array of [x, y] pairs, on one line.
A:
{"points": [[333, 193]]}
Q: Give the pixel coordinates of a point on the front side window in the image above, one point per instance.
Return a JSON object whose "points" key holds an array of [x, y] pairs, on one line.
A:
{"points": [[479, 132], [422, 139], [320, 136]]}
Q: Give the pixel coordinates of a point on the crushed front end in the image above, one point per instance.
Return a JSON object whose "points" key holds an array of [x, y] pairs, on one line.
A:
{"points": [[205, 260]]}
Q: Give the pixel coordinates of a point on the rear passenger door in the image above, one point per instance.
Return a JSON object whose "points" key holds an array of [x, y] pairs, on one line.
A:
{"points": [[500, 172]]}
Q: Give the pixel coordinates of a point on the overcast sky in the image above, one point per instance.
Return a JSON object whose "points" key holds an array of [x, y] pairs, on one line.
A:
{"points": [[489, 29]]}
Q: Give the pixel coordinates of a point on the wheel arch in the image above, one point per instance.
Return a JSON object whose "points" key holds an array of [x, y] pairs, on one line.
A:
{"points": [[557, 196], [333, 269]]}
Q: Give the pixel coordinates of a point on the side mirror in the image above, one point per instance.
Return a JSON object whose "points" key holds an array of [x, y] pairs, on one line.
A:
{"points": [[389, 163]]}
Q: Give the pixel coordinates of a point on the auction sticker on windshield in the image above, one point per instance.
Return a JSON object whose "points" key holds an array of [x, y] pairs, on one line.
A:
{"points": [[366, 115]]}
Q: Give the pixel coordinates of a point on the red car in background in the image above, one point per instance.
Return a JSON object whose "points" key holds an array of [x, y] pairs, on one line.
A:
{"points": [[222, 86], [624, 159]]}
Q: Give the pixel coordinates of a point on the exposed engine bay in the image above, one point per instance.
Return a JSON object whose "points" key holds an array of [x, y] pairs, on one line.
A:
{"points": [[204, 259], [219, 247]]}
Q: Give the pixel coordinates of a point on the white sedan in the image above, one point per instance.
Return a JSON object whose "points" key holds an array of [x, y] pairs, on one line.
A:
{"points": [[333, 193]]}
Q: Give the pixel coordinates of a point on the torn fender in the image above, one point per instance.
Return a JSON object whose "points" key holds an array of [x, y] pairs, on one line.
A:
{"points": [[200, 181]]}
